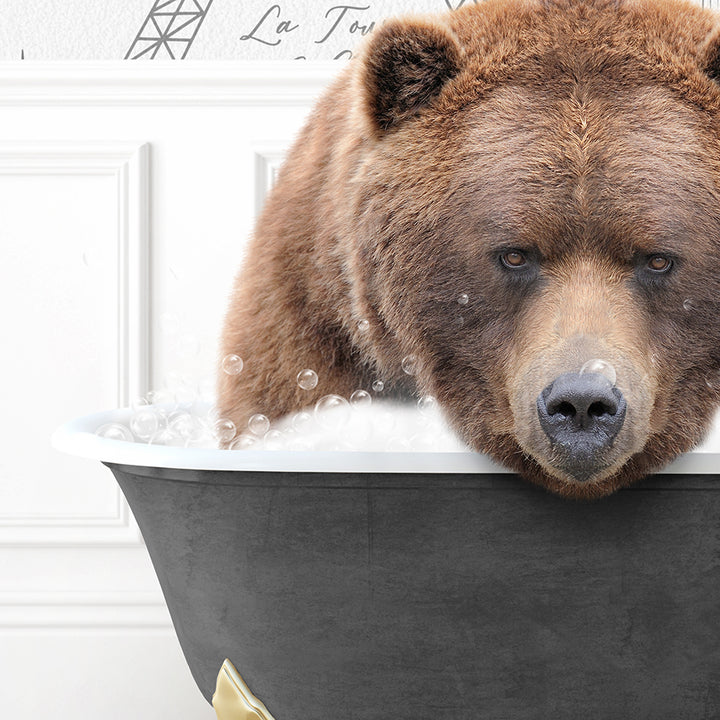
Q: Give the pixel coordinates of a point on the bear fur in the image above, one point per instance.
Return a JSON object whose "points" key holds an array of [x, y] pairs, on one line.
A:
{"points": [[579, 136]]}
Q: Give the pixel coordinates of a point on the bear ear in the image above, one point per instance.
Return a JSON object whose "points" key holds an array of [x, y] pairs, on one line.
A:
{"points": [[710, 56], [405, 65]]}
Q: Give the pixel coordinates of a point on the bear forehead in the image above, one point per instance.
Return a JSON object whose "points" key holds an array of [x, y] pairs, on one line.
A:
{"points": [[580, 120], [571, 124], [632, 166], [552, 44], [511, 34]]}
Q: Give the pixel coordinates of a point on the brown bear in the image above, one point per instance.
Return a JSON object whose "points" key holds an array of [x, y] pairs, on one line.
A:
{"points": [[505, 192]]}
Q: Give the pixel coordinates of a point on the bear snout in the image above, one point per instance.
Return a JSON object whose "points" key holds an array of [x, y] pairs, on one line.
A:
{"points": [[581, 414]]}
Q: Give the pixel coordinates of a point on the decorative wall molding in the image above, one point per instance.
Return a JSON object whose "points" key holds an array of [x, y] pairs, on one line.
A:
{"points": [[128, 164], [66, 610], [189, 82], [39, 603], [268, 159], [47, 531]]}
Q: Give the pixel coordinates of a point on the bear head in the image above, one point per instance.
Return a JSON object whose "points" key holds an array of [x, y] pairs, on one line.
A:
{"points": [[534, 218]]}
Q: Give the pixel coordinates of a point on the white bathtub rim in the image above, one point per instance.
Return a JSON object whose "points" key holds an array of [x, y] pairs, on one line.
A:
{"points": [[77, 437]]}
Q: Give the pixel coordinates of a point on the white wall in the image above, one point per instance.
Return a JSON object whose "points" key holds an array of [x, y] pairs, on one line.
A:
{"points": [[228, 30], [125, 200]]}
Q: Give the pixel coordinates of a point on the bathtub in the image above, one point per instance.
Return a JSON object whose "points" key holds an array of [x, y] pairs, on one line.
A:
{"points": [[358, 586]]}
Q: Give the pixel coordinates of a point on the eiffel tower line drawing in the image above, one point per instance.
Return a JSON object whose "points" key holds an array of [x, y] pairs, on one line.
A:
{"points": [[169, 29]]}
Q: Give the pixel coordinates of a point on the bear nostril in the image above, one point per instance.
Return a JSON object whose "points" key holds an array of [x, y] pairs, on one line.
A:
{"points": [[597, 409], [564, 408]]}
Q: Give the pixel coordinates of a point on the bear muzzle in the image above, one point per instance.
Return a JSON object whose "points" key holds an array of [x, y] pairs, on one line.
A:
{"points": [[581, 414]]}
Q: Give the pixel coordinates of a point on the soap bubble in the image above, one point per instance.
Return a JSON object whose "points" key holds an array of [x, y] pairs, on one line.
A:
{"points": [[232, 364], [211, 416], [258, 424], [378, 386], [302, 421], [163, 414], [307, 379], [410, 364], [427, 404], [150, 397], [224, 430], [463, 299], [145, 423], [360, 398], [182, 424], [332, 411], [137, 402], [244, 442], [688, 305], [601, 367], [114, 431], [273, 440], [364, 326]]}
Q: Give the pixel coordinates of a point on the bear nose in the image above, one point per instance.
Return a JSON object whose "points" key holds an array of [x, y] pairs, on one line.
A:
{"points": [[581, 414]]}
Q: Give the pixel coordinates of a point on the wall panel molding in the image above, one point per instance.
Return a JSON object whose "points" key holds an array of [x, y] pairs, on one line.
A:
{"points": [[268, 159], [128, 164], [60, 569], [188, 82], [46, 531], [97, 610]]}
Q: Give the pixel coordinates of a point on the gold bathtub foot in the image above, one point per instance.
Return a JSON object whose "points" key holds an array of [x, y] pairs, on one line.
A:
{"points": [[233, 700]]}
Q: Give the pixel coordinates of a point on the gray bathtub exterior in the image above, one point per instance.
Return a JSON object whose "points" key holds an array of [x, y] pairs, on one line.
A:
{"points": [[358, 596]]}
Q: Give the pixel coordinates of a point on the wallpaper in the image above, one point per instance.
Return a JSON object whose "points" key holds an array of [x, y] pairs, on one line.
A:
{"points": [[198, 29]]}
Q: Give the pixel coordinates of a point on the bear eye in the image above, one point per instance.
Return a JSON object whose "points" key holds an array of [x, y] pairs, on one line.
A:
{"points": [[513, 259], [659, 264]]}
